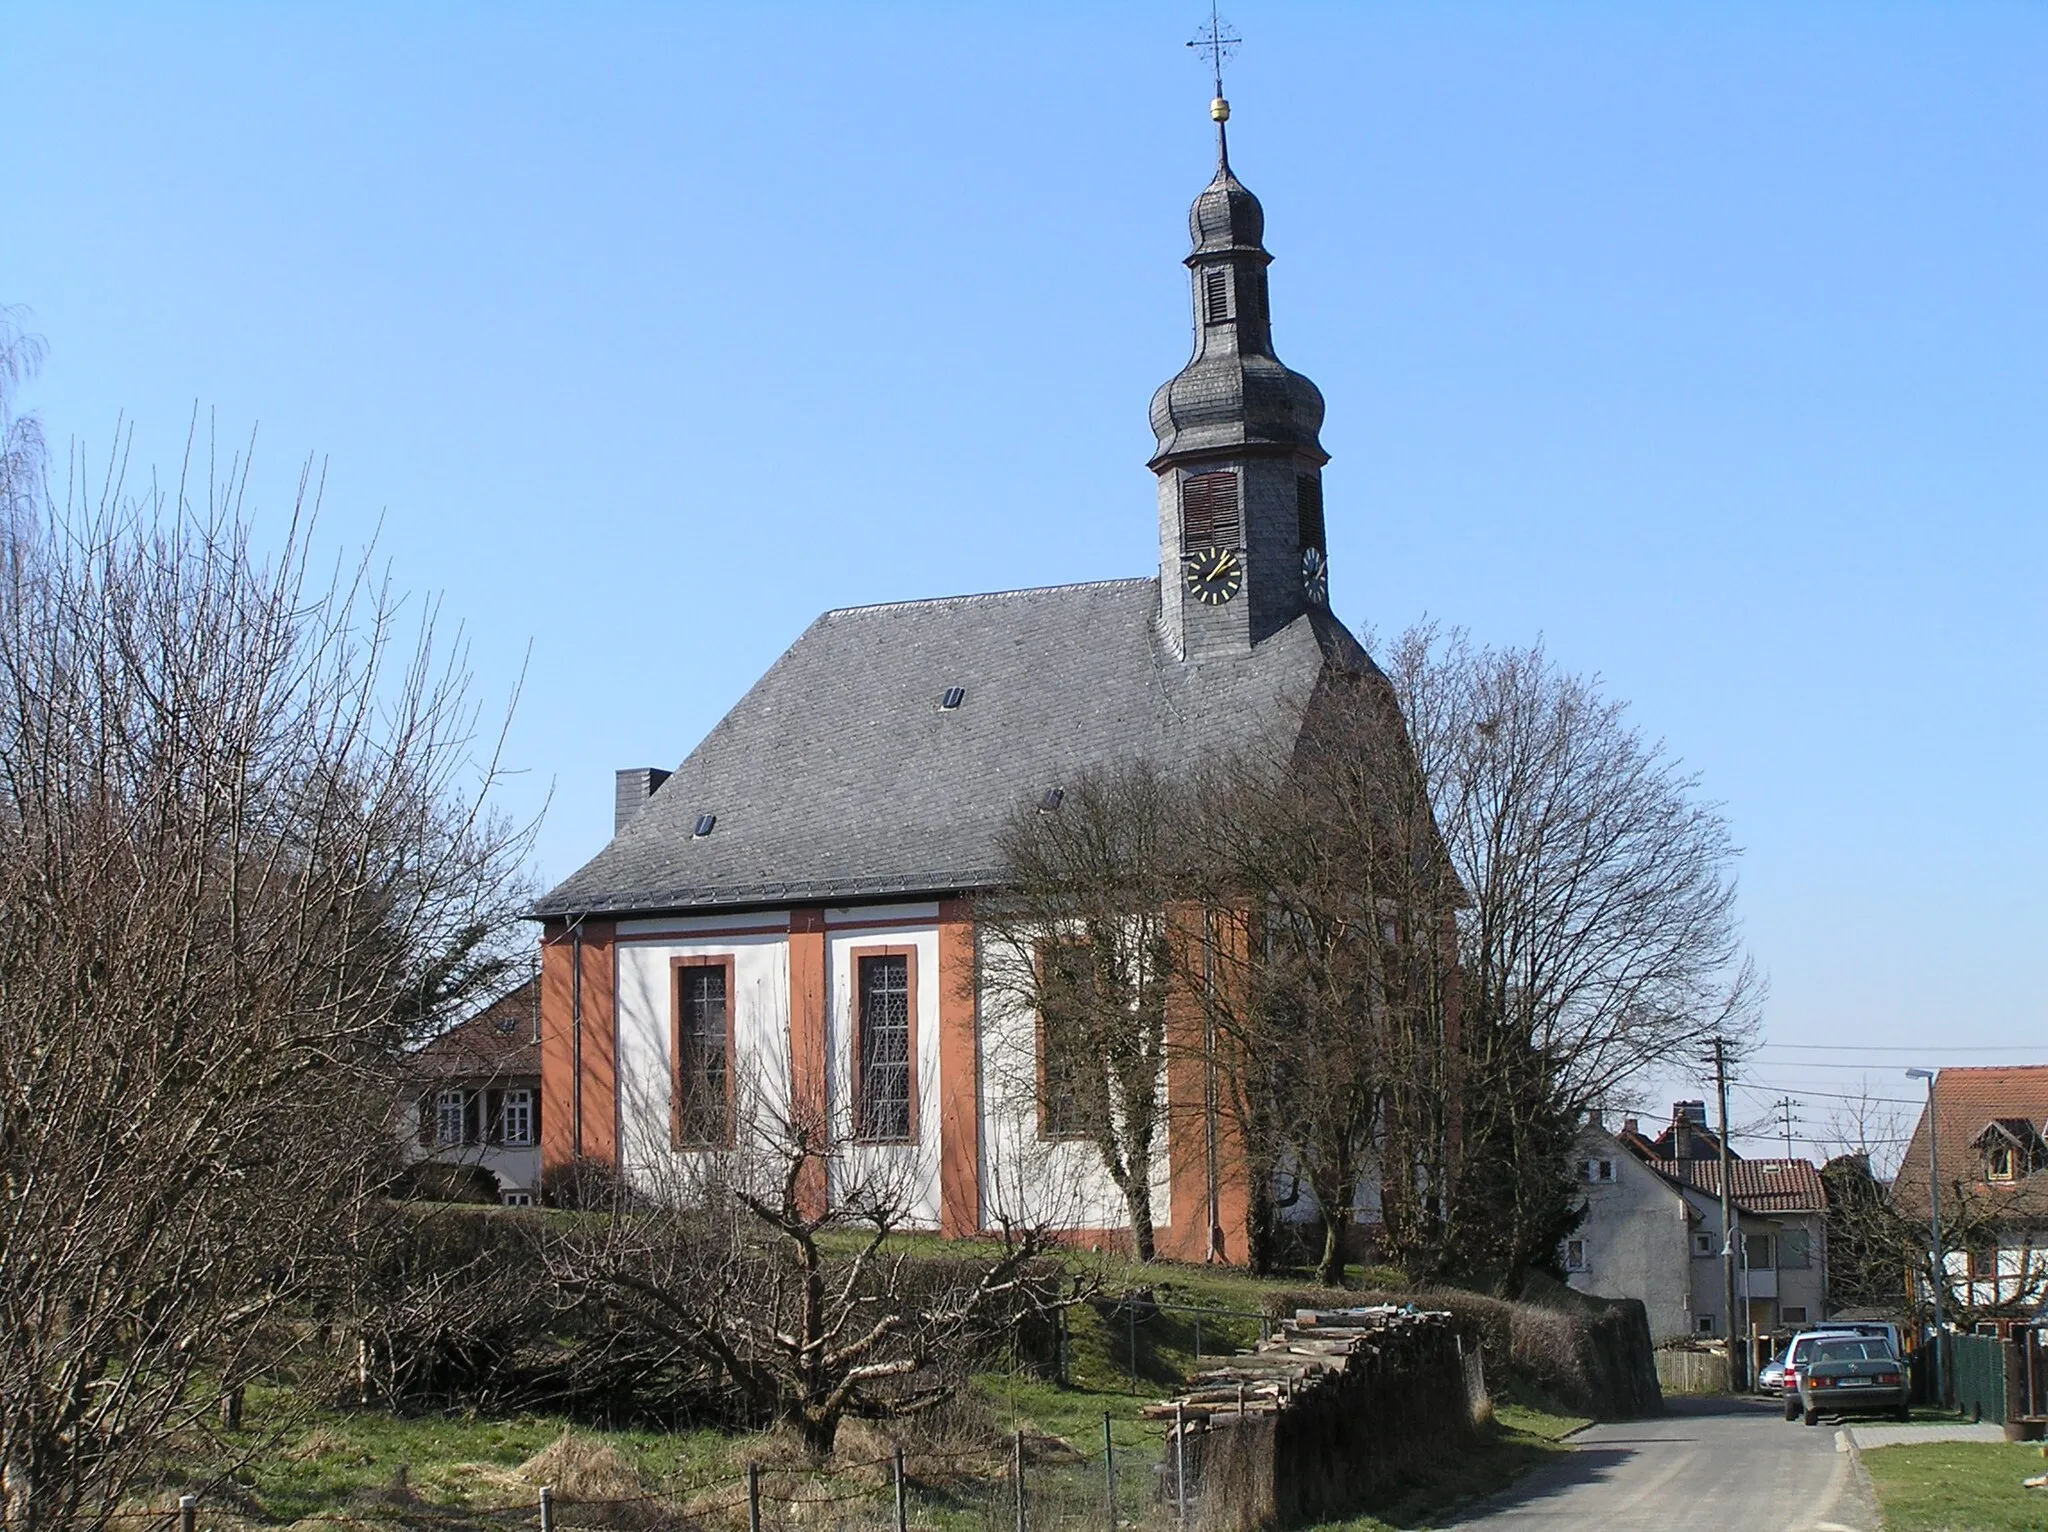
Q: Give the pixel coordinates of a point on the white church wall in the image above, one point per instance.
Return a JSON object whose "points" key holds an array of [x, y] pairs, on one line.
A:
{"points": [[760, 1013], [1060, 1182], [911, 1168]]}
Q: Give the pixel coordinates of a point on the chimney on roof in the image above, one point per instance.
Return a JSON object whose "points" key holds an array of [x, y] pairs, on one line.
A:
{"points": [[1631, 1128], [631, 791], [1688, 1114]]}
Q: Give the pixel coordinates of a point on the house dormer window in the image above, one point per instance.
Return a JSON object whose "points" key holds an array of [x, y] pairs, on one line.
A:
{"points": [[2000, 1163]]}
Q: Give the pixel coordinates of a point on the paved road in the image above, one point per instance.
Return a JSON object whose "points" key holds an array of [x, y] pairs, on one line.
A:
{"points": [[1720, 1463]]}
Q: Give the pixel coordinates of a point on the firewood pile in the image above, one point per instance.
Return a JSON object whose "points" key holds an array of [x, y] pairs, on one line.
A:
{"points": [[1310, 1354], [1338, 1407]]}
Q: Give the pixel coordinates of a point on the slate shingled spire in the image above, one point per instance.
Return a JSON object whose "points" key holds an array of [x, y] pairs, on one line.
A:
{"points": [[1236, 409]]}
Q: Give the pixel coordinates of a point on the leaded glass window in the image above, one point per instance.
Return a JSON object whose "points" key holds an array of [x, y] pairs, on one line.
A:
{"points": [[883, 1108], [703, 1072]]}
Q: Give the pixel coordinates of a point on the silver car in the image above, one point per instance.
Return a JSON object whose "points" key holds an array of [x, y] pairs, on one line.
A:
{"points": [[1851, 1375]]}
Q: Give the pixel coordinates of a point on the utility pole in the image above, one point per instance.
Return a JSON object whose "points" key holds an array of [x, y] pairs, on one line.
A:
{"points": [[1738, 1329], [1783, 1107]]}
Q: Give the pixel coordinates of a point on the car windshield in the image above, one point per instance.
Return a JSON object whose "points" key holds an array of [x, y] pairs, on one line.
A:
{"points": [[1851, 1351], [1803, 1348]]}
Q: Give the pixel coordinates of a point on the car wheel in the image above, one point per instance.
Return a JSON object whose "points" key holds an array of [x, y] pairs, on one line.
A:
{"points": [[1791, 1408], [1903, 1412], [1812, 1417]]}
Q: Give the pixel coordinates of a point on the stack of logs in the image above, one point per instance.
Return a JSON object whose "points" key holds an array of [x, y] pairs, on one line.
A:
{"points": [[1340, 1404]]}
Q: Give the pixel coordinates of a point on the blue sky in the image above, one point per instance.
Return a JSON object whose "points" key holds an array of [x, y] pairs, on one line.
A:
{"points": [[1709, 343]]}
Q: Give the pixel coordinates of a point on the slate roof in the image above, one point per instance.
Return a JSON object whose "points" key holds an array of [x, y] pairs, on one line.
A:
{"points": [[1966, 1101], [839, 777], [497, 1043], [1758, 1186]]}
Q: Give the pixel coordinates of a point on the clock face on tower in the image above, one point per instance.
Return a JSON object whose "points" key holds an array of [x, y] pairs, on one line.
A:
{"points": [[1213, 575], [1315, 576]]}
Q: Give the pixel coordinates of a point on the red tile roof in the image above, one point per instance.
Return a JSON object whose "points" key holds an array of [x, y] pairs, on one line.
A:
{"points": [[1966, 1102], [495, 1044], [1760, 1186]]}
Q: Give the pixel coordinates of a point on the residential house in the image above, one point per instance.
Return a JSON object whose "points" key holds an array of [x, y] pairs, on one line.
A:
{"points": [[1988, 1127], [785, 924], [469, 1120], [1653, 1229]]}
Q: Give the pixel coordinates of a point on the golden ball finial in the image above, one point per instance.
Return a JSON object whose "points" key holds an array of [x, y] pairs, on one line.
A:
{"points": [[1219, 110]]}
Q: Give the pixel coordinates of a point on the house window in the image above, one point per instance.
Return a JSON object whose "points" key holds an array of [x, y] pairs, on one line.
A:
{"points": [[1999, 1162], [1216, 295], [515, 1118], [1599, 1170], [1704, 1325], [703, 1051], [1795, 1250], [1756, 1253], [1574, 1255], [1792, 1314], [519, 1199], [1069, 1080], [1703, 1244], [1208, 511], [882, 1086], [451, 1117]]}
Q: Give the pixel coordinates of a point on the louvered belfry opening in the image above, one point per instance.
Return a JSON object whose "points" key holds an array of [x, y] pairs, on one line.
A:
{"points": [[1308, 510], [1208, 510], [1216, 296]]}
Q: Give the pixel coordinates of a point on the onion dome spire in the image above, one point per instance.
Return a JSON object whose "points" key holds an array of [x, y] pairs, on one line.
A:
{"points": [[1234, 394]]}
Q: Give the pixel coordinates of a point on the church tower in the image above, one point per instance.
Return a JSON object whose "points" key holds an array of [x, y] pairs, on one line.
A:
{"points": [[1241, 548]]}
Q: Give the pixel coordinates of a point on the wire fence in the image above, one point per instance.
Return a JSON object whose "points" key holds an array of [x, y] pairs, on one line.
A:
{"points": [[1031, 1484]]}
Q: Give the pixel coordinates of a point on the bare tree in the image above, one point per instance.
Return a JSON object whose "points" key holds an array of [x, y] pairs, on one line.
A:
{"points": [[1081, 943], [21, 435], [794, 1308], [1327, 893], [1599, 934], [244, 850]]}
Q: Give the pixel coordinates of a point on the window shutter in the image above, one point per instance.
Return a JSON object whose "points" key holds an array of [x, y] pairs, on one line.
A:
{"points": [[1216, 295], [1308, 510], [427, 1120], [1208, 510]]}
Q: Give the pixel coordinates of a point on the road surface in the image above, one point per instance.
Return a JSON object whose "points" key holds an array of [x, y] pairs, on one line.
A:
{"points": [[1723, 1463]]}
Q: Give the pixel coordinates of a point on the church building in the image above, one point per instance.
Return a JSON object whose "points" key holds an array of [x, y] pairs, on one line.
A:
{"points": [[791, 911]]}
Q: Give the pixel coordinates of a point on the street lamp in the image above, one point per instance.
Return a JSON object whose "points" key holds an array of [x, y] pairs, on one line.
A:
{"points": [[1934, 1229]]}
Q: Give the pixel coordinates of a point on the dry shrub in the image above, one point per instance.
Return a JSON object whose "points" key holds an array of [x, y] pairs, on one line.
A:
{"points": [[595, 1486]]}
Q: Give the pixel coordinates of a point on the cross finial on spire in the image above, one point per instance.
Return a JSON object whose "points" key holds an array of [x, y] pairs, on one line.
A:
{"points": [[1220, 43]]}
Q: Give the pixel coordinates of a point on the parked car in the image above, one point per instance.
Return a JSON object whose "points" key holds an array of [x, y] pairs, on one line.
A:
{"points": [[1795, 1354], [1770, 1378], [1845, 1374]]}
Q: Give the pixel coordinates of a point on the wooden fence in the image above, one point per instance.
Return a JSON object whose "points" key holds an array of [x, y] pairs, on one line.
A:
{"points": [[1685, 1370]]}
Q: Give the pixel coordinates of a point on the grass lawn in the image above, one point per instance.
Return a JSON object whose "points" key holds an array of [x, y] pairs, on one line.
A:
{"points": [[295, 1460], [1959, 1487]]}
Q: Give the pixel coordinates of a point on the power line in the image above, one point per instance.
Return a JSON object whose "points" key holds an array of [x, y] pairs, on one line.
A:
{"points": [[2033, 1047], [1827, 1094], [1883, 1066]]}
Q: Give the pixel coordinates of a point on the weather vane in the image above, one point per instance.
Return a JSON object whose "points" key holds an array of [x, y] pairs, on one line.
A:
{"points": [[1220, 43]]}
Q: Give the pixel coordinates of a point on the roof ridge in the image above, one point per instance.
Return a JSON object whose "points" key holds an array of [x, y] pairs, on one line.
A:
{"points": [[988, 595]]}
